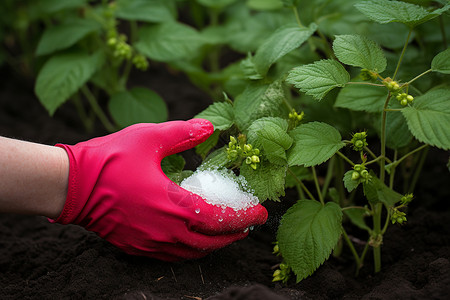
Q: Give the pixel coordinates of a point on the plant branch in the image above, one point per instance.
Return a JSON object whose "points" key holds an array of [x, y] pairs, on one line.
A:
{"points": [[297, 17], [417, 77], [328, 177], [97, 109], [418, 170], [353, 250], [316, 183], [402, 54], [365, 83], [302, 185], [345, 158]]}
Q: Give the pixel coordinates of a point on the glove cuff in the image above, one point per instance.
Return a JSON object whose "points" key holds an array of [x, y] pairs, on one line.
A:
{"points": [[72, 206]]}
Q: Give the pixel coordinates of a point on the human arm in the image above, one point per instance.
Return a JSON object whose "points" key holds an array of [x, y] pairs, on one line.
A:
{"points": [[33, 178]]}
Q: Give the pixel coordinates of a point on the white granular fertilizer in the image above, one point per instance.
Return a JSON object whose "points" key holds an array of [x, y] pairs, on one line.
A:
{"points": [[221, 189]]}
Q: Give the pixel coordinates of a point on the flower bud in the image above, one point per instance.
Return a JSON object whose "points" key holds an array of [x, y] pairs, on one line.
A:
{"points": [[355, 175], [247, 147], [255, 159], [409, 98], [248, 160]]}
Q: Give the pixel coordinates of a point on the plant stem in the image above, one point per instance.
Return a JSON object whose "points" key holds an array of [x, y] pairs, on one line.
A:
{"points": [[386, 223], [442, 26], [418, 76], [345, 158], [302, 185], [328, 177], [402, 54], [393, 109], [353, 250], [297, 17], [418, 170], [378, 235], [365, 83], [97, 109], [316, 183]]}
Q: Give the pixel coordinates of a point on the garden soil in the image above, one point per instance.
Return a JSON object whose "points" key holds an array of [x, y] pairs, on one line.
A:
{"points": [[39, 260]]}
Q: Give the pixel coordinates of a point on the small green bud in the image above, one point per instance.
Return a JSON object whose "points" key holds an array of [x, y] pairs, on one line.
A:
{"points": [[405, 200], [355, 175], [256, 151], [276, 249], [248, 160], [359, 144], [404, 102], [247, 147], [255, 159], [233, 140], [254, 166], [409, 98], [364, 174], [276, 273], [358, 167]]}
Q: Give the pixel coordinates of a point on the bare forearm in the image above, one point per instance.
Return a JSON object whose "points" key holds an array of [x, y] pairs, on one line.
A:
{"points": [[33, 178]]}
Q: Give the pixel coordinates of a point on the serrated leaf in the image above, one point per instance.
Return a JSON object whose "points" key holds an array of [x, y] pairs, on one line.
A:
{"points": [[146, 10], [257, 101], [397, 133], [356, 216], [43, 7], [318, 78], [173, 163], [65, 35], [62, 75], [385, 11], [267, 181], [441, 62], [307, 234], [215, 160], [281, 42], [204, 148], [429, 118], [269, 135], [314, 143], [376, 191], [349, 183], [138, 105], [359, 51], [169, 41], [361, 98], [220, 114]]}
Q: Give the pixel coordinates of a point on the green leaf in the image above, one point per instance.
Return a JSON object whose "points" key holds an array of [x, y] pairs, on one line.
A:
{"points": [[220, 114], [204, 148], [318, 78], [307, 234], [356, 216], [429, 118], [397, 133], [138, 105], [269, 135], [281, 42], [217, 4], [146, 10], [359, 51], [216, 160], [257, 101], [265, 4], [62, 75], [361, 97], [441, 62], [314, 143], [169, 41], [376, 191], [349, 183], [385, 11], [65, 35], [267, 181], [43, 7], [173, 163]]}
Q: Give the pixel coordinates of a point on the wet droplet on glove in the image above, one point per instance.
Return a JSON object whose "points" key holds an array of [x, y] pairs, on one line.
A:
{"points": [[197, 210]]}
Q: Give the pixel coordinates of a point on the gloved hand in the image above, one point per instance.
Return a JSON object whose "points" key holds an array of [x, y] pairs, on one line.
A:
{"points": [[118, 190]]}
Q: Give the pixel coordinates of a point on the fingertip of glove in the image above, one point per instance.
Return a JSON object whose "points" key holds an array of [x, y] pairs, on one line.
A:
{"points": [[202, 126]]}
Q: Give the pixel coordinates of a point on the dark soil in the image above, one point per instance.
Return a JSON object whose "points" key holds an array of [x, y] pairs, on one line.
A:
{"points": [[39, 260]]}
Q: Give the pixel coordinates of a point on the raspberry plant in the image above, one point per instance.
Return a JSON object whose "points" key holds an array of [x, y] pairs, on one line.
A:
{"points": [[392, 103]]}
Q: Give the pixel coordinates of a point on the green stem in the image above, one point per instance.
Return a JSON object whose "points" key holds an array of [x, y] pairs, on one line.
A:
{"points": [[418, 170], [418, 76], [383, 137], [353, 250], [393, 109], [97, 109], [444, 35], [345, 158], [302, 185], [316, 183], [365, 83], [402, 54], [392, 173], [85, 119], [386, 223], [363, 256], [377, 234], [397, 162], [297, 17], [328, 177]]}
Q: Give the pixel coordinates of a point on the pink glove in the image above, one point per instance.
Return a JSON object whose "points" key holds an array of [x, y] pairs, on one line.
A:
{"points": [[118, 190]]}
